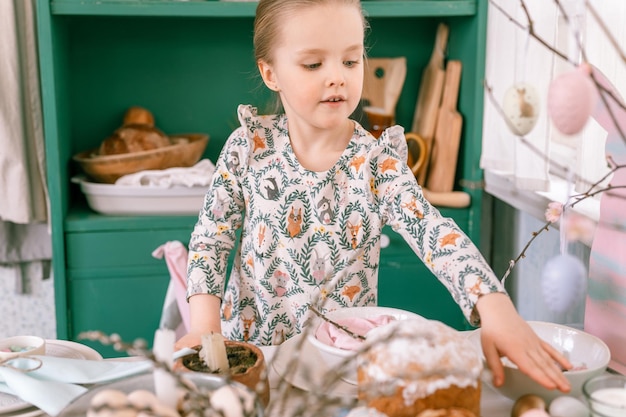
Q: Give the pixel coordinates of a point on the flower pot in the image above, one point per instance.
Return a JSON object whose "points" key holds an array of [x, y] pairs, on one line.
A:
{"points": [[247, 366]]}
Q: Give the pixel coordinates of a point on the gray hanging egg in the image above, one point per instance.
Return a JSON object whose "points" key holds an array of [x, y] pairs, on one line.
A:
{"points": [[563, 282], [521, 108]]}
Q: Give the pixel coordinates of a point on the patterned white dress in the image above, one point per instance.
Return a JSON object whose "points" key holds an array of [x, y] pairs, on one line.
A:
{"points": [[314, 237]]}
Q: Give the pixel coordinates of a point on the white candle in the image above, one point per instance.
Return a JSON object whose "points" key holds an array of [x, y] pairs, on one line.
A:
{"points": [[609, 402], [213, 352], [164, 382]]}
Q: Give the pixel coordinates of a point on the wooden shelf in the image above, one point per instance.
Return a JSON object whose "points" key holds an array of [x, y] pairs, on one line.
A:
{"points": [[215, 8], [82, 219]]}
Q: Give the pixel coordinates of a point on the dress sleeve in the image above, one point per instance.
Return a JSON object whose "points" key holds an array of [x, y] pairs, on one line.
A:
{"points": [[214, 234], [438, 241]]}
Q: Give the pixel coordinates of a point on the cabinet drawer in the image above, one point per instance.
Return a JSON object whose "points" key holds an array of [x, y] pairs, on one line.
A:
{"points": [[118, 249], [126, 305]]}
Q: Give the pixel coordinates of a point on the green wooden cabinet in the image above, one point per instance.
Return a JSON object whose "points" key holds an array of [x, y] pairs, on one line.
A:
{"points": [[191, 64]]}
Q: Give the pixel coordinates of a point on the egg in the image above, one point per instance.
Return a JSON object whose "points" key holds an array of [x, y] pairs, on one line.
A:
{"points": [[110, 403], [565, 406], [572, 98], [142, 399], [111, 397], [148, 401], [526, 403], [535, 412], [521, 108], [232, 401], [563, 282]]}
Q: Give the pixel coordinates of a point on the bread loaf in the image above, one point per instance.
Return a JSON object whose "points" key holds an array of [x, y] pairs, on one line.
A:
{"points": [[450, 412], [416, 365], [136, 135], [138, 116]]}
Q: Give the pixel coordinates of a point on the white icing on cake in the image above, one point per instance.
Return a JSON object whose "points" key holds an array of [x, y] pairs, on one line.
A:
{"points": [[420, 355]]}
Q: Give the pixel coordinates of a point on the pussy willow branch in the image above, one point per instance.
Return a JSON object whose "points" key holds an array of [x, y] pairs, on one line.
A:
{"points": [[606, 30], [605, 96], [531, 31], [522, 254], [337, 325]]}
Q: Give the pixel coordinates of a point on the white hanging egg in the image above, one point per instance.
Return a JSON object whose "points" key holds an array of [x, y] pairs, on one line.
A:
{"points": [[521, 108], [572, 98], [563, 282]]}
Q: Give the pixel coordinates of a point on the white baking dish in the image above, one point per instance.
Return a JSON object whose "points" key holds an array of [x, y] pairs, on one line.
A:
{"points": [[141, 200]]}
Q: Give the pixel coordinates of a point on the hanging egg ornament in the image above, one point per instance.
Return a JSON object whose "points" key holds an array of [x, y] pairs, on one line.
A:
{"points": [[572, 98], [563, 282], [521, 108]]}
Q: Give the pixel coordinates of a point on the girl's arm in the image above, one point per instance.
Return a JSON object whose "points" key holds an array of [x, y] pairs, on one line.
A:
{"points": [[205, 318], [505, 333]]}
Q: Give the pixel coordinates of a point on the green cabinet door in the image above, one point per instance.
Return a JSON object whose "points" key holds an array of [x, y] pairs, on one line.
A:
{"points": [[405, 282]]}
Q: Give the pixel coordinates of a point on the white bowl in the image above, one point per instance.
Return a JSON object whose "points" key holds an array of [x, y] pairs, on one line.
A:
{"points": [[583, 350], [342, 360], [17, 346]]}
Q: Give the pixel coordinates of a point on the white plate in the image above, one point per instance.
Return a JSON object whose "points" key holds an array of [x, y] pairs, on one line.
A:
{"points": [[10, 403], [28, 412], [81, 405], [69, 349], [60, 349], [310, 374]]}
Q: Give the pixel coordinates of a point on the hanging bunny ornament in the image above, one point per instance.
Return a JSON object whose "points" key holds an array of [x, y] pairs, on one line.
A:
{"points": [[521, 103], [521, 108]]}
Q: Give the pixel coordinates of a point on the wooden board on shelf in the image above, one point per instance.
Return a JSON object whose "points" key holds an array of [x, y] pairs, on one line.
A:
{"points": [[447, 133], [429, 96]]}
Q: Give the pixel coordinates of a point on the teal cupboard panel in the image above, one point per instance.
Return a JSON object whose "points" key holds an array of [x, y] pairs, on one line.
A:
{"points": [[119, 249], [405, 282], [128, 306]]}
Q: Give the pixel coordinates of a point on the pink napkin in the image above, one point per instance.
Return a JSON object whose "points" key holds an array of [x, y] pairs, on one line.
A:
{"points": [[175, 254], [333, 336]]}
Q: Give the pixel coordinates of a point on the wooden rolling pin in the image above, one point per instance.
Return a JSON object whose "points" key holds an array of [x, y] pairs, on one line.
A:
{"points": [[454, 199]]}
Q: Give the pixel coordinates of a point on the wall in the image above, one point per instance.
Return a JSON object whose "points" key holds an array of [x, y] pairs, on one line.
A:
{"points": [[30, 311]]}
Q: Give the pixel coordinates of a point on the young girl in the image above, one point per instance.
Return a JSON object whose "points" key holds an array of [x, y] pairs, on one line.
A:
{"points": [[312, 189]]}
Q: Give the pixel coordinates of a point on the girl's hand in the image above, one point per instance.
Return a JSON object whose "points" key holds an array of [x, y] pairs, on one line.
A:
{"points": [[505, 333], [189, 340], [204, 312]]}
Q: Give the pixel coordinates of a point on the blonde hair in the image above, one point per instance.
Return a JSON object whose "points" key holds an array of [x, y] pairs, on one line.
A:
{"points": [[270, 15]]}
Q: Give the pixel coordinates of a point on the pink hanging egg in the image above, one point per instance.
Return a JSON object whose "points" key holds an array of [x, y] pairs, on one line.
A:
{"points": [[563, 281], [572, 98]]}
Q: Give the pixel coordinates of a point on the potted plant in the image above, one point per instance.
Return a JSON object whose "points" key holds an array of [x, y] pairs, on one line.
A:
{"points": [[240, 361]]}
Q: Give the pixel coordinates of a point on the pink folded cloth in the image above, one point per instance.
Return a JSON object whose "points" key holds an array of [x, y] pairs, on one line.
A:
{"points": [[331, 335]]}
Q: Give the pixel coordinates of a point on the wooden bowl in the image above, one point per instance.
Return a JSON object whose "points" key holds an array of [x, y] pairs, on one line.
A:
{"points": [[185, 151]]}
